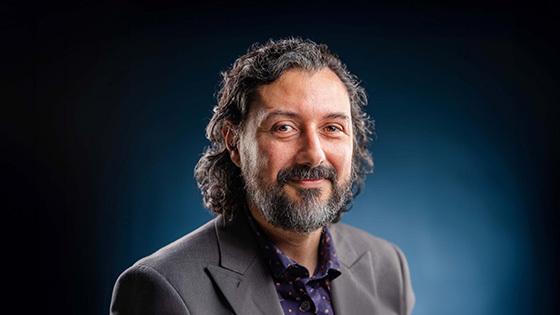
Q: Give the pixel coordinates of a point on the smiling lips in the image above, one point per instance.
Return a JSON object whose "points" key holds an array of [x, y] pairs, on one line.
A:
{"points": [[309, 182]]}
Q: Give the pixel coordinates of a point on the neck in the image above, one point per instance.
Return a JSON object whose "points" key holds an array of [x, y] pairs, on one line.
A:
{"points": [[301, 247]]}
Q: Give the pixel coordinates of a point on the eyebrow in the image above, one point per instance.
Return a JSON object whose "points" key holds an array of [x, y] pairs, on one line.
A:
{"points": [[337, 115]]}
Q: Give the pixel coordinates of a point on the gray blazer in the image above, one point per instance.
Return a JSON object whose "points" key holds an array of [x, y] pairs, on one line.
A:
{"points": [[217, 269]]}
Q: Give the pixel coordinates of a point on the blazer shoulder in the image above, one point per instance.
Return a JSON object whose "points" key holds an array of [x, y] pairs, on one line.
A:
{"points": [[142, 290], [173, 278], [197, 248]]}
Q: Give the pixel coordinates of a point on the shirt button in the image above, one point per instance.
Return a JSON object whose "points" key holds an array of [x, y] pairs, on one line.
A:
{"points": [[305, 306]]}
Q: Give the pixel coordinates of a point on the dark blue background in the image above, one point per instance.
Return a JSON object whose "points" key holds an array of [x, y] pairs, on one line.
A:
{"points": [[465, 149]]}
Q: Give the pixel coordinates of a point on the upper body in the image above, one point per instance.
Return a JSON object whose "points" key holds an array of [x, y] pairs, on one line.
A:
{"points": [[288, 154], [219, 269]]}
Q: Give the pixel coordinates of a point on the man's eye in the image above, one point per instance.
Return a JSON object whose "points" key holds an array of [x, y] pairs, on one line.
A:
{"points": [[283, 128], [333, 128]]}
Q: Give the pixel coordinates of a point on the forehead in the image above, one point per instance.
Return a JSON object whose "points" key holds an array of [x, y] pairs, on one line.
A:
{"points": [[307, 94]]}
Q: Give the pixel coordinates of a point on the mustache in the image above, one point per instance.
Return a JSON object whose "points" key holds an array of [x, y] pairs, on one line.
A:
{"points": [[300, 172]]}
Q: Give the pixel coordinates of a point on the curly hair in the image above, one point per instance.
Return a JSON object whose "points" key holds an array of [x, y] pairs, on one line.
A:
{"points": [[218, 178]]}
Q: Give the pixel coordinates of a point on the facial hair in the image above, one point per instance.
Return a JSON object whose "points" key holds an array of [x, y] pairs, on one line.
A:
{"points": [[305, 215]]}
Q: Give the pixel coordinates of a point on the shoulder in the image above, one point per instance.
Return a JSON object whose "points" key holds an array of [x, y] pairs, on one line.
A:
{"points": [[353, 244], [385, 258], [182, 259], [141, 290], [198, 247], [165, 279]]}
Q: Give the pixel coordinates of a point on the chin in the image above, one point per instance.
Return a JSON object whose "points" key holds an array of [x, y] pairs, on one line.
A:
{"points": [[308, 195]]}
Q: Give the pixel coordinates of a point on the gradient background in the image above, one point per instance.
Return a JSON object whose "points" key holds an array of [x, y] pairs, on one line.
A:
{"points": [[463, 98]]}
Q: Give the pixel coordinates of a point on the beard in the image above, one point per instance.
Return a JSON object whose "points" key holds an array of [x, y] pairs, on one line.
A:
{"points": [[305, 215]]}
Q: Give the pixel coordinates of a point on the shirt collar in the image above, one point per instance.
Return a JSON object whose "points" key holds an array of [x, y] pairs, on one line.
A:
{"points": [[283, 267]]}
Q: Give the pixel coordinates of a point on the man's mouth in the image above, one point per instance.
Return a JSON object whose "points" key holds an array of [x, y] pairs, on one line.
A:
{"points": [[308, 182]]}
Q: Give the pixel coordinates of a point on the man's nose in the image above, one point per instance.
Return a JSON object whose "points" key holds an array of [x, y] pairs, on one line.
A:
{"points": [[311, 152]]}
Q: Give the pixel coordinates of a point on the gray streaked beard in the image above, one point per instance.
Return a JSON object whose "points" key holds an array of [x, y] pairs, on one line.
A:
{"points": [[303, 216]]}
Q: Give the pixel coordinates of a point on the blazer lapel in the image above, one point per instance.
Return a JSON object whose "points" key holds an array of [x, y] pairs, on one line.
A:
{"points": [[354, 291], [241, 277]]}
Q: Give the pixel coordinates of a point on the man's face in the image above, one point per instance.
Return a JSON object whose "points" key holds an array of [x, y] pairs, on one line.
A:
{"points": [[296, 150]]}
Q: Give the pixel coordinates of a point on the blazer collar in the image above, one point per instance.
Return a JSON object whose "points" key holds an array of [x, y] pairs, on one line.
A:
{"points": [[248, 287], [239, 248], [237, 244], [355, 290], [346, 251], [245, 282]]}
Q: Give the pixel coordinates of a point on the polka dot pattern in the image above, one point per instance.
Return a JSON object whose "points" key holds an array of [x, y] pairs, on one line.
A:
{"points": [[299, 292]]}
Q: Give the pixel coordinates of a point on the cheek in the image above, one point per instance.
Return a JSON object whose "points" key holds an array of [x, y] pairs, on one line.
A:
{"points": [[248, 153], [341, 159], [274, 157]]}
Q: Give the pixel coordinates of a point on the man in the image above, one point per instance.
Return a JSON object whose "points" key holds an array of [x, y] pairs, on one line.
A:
{"points": [[288, 153]]}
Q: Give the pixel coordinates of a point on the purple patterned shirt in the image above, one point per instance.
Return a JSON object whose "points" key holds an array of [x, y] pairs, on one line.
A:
{"points": [[299, 292]]}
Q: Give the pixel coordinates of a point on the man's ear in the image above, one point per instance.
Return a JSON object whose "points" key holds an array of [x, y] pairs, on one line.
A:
{"points": [[231, 137]]}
